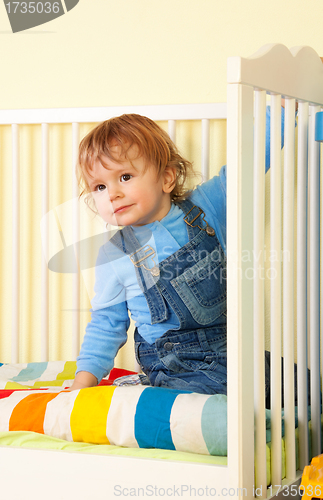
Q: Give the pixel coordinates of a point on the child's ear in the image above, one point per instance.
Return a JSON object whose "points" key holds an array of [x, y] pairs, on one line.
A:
{"points": [[169, 176]]}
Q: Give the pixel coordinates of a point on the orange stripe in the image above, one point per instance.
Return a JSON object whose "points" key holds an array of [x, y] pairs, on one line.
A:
{"points": [[29, 413]]}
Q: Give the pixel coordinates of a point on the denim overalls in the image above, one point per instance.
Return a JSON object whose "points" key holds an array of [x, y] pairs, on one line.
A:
{"points": [[192, 281]]}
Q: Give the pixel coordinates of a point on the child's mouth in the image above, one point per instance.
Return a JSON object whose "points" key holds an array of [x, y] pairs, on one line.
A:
{"points": [[121, 209]]}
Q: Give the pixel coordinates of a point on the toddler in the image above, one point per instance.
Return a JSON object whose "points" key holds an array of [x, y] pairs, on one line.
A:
{"points": [[167, 266]]}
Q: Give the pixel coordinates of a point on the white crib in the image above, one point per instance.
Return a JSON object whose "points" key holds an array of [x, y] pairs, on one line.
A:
{"points": [[281, 292]]}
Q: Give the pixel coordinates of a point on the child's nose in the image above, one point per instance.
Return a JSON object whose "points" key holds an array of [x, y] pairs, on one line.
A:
{"points": [[114, 191]]}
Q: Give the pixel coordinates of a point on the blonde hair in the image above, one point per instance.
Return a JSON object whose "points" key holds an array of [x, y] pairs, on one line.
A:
{"points": [[125, 131]]}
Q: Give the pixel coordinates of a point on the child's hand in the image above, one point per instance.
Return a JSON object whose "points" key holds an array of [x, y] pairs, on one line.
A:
{"points": [[83, 380]]}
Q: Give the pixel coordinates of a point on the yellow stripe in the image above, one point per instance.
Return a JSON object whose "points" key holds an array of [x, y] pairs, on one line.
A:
{"points": [[37, 385], [89, 415], [16, 385], [48, 383], [67, 374], [69, 371]]}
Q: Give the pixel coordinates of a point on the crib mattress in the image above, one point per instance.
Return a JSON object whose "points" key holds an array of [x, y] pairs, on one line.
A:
{"points": [[35, 397], [135, 421]]}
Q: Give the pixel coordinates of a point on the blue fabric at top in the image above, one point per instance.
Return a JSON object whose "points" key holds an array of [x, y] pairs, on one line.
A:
{"points": [[319, 126], [31, 372], [154, 407]]}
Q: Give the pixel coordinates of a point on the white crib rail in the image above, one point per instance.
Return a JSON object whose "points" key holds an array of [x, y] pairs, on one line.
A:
{"points": [[248, 80], [259, 282], [288, 287], [276, 288], [15, 243], [91, 115], [44, 270], [302, 173], [76, 237]]}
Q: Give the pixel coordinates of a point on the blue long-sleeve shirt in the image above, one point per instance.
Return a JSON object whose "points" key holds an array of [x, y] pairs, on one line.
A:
{"points": [[117, 291]]}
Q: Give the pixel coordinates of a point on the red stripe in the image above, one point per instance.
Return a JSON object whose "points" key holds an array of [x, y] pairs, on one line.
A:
{"points": [[4, 393]]}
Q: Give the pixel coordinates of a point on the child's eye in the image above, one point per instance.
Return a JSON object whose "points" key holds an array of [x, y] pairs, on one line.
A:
{"points": [[100, 187], [125, 177]]}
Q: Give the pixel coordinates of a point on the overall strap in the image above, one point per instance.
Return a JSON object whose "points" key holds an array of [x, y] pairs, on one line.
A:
{"points": [[195, 219], [147, 278]]}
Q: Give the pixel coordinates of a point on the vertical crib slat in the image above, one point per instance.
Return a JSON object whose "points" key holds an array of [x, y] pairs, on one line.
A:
{"points": [[172, 130], [314, 278], [288, 288], [205, 149], [15, 245], [76, 239], [44, 267], [302, 390], [275, 289], [259, 293]]}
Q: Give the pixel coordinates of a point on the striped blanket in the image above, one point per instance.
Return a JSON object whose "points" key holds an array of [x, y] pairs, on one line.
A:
{"points": [[35, 397]]}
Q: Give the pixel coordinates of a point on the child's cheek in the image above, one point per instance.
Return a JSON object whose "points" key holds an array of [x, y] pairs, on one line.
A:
{"points": [[104, 207]]}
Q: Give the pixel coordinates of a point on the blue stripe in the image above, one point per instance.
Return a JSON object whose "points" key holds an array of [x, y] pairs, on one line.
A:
{"points": [[1, 364], [31, 372], [214, 424], [152, 418]]}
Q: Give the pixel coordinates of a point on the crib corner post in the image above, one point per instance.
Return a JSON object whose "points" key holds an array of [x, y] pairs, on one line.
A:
{"points": [[240, 288]]}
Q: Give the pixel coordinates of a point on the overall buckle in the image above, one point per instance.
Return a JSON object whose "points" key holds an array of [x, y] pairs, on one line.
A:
{"points": [[208, 229], [149, 252]]}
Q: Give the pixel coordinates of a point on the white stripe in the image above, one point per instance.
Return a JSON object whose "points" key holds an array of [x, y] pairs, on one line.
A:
{"points": [[186, 423], [52, 370], [123, 409], [10, 371], [58, 416]]}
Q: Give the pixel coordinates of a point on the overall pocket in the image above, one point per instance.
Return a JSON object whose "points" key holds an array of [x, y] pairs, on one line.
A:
{"points": [[202, 288], [202, 349]]}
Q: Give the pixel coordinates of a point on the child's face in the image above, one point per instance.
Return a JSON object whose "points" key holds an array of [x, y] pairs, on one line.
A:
{"points": [[129, 193]]}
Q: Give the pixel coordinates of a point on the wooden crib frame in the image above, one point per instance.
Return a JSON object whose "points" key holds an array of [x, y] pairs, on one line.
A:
{"points": [[295, 74]]}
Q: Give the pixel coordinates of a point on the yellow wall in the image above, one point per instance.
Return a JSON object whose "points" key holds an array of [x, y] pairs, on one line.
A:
{"points": [[108, 52]]}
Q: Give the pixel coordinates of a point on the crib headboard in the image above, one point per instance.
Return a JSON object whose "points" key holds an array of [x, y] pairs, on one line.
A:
{"points": [[273, 260]]}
